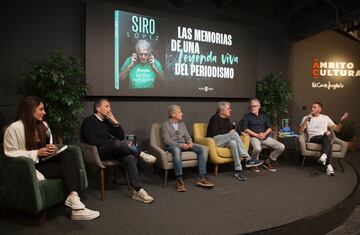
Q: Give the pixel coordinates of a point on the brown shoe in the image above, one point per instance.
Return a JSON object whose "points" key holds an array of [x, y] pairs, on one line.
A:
{"points": [[180, 186], [204, 182], [268, 165], [255, 169]]}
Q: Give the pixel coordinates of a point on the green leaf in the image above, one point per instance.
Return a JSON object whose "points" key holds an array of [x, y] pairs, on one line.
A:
{"points": [[60, 82]]}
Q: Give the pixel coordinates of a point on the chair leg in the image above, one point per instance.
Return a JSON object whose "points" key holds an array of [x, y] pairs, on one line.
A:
{"points": [[216, 170], [126, 173], [106, 174], [42, 216], [341, 165], [102, 186], [115, 172], [303, 161], [165, 178]]}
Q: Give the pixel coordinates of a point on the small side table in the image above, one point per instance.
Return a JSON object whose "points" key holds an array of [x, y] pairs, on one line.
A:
{"points": [[291, 145]]}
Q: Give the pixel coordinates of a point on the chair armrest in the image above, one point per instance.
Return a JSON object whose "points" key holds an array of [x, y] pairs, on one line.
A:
{"points": [[79, 159], [302, 143], [160, 154], [343, 144], [91, 155], [210, 143], [22, 189], [245, 138]]}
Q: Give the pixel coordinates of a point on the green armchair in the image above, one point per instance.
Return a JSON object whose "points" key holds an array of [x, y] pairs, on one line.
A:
{"points": [[20, 189]]}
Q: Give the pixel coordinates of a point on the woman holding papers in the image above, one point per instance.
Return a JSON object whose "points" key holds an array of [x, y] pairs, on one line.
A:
{"points": [[31, 137]]}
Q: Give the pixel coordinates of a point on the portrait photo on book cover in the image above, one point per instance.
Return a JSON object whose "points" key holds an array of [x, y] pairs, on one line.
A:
{"points": [[139, 51]]}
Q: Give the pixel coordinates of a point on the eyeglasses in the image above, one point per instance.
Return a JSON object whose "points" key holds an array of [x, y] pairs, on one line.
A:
{"points": [[252, 106]]}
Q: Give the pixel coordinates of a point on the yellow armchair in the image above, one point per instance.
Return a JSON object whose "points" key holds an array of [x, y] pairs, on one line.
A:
{"points": [[218, 155]]}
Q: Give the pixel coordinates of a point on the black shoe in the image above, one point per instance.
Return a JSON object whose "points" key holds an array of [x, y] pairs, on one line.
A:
{"points": [[240, 176], [254, 162]]}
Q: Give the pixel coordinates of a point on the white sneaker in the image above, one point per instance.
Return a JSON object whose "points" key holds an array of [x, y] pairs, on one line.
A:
{"points": [[84, 214], [148, 158], [74, 202], [322, 159], [142, 196], [330, 170]]}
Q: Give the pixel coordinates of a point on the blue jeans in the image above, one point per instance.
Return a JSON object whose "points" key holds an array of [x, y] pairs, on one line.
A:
{"points": [[177, 161], [232, 140]]}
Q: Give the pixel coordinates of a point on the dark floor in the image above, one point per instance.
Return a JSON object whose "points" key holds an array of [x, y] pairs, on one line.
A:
{"points": [[351, 225], [266, 200]]}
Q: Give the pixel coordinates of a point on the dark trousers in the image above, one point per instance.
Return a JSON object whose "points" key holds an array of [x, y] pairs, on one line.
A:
{"points": [[326, 145], [62, 166], [120, 150]]}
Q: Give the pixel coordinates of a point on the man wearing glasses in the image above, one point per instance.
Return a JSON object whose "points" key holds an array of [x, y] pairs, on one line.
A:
{"points": [[258, 126]]}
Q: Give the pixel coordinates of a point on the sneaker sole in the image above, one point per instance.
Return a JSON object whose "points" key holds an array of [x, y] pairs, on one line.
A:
{"points": [[256, 171], [241, 179], [74, 207], [181, 190], [87, 217], [149, 161], [257, 164], [205, 185], [141, 200], [269, 169]]}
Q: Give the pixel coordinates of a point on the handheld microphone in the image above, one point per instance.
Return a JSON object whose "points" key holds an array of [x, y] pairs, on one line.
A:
{"points": [[234, 125]]}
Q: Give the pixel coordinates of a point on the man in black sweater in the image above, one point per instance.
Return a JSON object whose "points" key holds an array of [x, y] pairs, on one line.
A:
{"points": [[224, 135], [104, 131]]}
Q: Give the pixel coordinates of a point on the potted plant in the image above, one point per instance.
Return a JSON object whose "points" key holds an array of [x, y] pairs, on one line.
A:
{"points": [[274, 93], [349, 132], [60, 82]]}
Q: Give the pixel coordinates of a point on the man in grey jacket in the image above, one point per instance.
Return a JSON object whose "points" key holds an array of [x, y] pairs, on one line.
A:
{"points": [[176, 139]]}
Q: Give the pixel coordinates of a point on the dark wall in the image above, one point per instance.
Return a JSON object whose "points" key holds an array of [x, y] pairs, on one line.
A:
{"points": [[30, 30], [330, 46]]}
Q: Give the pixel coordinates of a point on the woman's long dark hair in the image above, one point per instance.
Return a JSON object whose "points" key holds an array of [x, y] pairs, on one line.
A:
{"points": [[34, 130]]}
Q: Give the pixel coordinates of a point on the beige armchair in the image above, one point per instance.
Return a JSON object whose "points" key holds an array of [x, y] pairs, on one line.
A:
{"points": [[308, 149], [218, 155], [92, 158], [164, 158]]}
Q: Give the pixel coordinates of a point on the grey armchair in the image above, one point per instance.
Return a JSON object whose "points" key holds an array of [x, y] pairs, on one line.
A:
{"points": [[308, 149], [92, 158], [164, 158]]}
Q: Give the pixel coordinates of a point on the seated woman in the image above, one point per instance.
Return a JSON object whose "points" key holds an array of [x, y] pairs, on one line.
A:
{"points": [[31, 137]]}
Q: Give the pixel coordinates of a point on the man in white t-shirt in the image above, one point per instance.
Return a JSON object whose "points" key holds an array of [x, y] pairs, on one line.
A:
{"points": [[318, 127]]}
